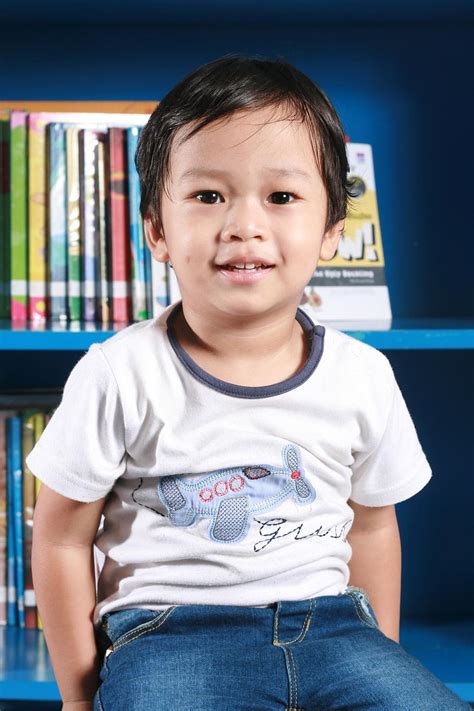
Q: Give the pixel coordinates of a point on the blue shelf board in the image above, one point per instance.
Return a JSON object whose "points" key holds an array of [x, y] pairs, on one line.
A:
{"points": [[446, 648], [398, 333]]}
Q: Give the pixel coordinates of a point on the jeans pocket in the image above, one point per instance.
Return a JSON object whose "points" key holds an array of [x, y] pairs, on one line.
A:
{"points": [[124, 626], [362, 605]]}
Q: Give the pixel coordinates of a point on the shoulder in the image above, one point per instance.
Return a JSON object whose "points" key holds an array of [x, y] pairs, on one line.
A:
{"points": [[359, 354], [137, 341], [354, 376], [354, 356]]}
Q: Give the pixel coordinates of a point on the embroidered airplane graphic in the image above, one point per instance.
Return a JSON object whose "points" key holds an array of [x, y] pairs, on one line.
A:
{"points": [[230, 497]]}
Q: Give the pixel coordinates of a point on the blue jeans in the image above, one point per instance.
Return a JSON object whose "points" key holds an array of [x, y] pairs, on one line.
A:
{"points": [[313, 655]]}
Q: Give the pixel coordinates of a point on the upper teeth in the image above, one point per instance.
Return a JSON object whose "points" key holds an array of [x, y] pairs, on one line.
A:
{"points": [[246, 266]]}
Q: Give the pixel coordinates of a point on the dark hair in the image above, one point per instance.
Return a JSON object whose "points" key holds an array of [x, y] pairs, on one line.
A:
{"points": [[236, 82]]}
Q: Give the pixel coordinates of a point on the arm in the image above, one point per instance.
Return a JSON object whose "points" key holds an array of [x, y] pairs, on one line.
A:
{"points": [[375, 565], [63, 578]]}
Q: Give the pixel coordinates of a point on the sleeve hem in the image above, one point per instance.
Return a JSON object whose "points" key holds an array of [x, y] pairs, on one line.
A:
{"points": [[396, 494], [62, 485]]}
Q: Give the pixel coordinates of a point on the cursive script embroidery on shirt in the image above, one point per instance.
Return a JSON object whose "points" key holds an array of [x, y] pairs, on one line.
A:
{"points": [[272, 529]]}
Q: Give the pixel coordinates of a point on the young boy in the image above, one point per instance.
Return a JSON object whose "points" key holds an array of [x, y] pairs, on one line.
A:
{"points": [[246, 458]]}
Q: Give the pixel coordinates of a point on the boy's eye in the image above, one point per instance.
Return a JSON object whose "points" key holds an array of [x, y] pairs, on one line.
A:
{"points": [[285, 195], [206, 193], [214, 192]]}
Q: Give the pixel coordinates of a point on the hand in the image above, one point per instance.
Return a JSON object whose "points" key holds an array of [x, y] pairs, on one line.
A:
{"points": [[86, 705]]}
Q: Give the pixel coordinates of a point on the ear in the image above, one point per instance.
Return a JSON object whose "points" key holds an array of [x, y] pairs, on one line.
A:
{"points": [[331, 240], [155, 239]]}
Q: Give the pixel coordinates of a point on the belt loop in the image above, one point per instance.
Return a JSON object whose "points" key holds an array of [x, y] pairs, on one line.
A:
{"points": [[292, 620]]}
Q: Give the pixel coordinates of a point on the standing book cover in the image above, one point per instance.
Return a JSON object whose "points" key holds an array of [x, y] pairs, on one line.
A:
{"points": [[350, 289]]}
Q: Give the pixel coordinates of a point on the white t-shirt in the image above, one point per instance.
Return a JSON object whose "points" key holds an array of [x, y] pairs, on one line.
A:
{"points": [[219, 493]]}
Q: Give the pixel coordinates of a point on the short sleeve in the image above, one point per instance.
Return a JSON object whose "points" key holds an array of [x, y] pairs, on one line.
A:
{"points": [[396, 468], [81, 451]]}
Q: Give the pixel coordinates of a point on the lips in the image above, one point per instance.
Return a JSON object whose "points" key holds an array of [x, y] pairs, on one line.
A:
{"points": [[233, 275]]}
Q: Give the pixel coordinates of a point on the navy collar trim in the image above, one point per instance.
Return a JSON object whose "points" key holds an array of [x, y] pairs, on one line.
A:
{"points": [[314, 332]]}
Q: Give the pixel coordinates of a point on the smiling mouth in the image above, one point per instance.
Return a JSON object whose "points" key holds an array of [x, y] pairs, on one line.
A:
{"points": [[248, 268], [241, 275]]}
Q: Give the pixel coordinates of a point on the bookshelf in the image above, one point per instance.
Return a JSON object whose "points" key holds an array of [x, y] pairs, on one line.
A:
{"points": [[397, 75]]}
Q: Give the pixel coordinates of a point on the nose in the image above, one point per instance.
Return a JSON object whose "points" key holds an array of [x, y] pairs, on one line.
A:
{"points": [[244, 221]]}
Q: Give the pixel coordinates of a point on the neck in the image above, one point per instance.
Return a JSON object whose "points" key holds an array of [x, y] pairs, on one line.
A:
{"points": [[223, 336], [266, 340]]}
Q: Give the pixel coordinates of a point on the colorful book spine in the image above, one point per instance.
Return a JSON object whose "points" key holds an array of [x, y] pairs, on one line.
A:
{"points": [[40, 421], [73, 224], [12, 612], [137, 238], [119, 225], [28, 441], [14, 446], [88, 141], [4, 214], [18, 217], [104, 286], [37, 250], [3, 516], [57, 221]]}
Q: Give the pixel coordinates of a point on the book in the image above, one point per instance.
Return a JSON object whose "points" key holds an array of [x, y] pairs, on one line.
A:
{"points": [[74, 253], [57, 222], [4, 563], [137, 238], [14, 451], [350, 290], [88, 143], [29, 496], [104, 290], [18, 217], [119, 224], [12, 611], [4, 214], [40, 420]]}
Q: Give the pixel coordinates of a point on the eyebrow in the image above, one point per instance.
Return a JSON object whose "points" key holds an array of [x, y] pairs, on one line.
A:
{"points": [[212, 173]]}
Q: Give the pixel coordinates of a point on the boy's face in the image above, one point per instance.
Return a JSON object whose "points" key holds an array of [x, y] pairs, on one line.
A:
{"points": [[244, 212]]}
